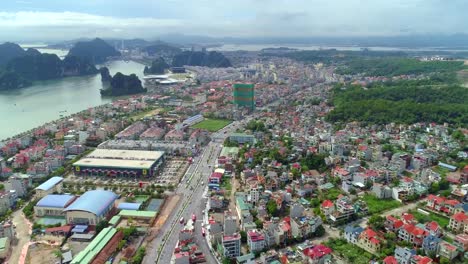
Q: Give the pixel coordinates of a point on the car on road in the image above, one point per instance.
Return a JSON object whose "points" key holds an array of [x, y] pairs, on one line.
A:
{"points": [[181, 221]]}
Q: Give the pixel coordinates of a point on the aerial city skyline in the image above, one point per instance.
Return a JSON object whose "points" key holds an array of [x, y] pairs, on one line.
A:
{"points": [[234, 132]]}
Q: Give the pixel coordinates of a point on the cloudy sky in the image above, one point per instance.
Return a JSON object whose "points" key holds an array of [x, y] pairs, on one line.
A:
{"points": [[26, 20]]}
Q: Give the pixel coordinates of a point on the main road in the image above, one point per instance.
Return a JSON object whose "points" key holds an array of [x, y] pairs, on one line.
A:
{"points": [[191, 189]]}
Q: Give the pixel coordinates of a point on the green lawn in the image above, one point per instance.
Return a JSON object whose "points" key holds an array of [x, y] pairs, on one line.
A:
{"points": [[212, 125], [422, 218], [377, 205], [352, 253]]}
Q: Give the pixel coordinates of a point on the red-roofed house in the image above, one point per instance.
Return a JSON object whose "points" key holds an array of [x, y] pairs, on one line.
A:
{"points": [[459, 222], [327, 207], [434, 202], [412, 234], [393, 224], [390, 260], [417, 259], [434, 228], [369, 241], [408, 218], [450, 205], [461, 242], [255, 240], [215, 178], [317, 254]]}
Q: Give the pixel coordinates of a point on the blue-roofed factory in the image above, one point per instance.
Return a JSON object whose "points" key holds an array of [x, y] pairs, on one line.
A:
{"points": [[52, 185], [91, 207], [53, 204]]}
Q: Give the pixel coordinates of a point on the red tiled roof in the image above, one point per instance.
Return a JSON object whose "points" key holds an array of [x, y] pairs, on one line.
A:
{"points": [[434, 226], [327, 204], [422, 259], [452, 202], [460, 217], [390, 260]]}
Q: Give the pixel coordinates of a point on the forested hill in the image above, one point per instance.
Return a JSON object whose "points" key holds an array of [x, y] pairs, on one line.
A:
{"points": [[197, 58], [402, 102], [389, 66], [158, 66], [161, 49], [96, 50], [20, 68], [9, 51]]}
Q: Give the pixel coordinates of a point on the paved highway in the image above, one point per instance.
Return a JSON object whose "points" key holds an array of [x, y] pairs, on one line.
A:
{"points": [[191, 189]]}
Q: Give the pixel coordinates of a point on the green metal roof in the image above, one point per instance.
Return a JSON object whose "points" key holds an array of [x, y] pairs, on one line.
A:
{"points": [[242, 205], [245, 257], [115, 219], [3, 243], [98, 243], [133, 213]]}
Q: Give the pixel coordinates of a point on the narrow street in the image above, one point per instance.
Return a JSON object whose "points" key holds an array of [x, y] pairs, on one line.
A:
{"points": [[23, 231]]}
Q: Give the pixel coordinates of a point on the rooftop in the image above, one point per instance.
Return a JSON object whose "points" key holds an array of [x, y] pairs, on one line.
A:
{"points": [[129, 206], [114, 163], [50, 183], [56, 200], [96, 202], [133, 213], [98, 243], [123, 154]]}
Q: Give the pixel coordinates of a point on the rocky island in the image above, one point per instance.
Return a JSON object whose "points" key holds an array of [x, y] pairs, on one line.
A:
{"points": [[120, 84]]}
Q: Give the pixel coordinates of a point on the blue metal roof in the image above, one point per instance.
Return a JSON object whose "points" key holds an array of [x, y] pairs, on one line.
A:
{"points": [[129, 206], [55, 200], [95, 202], [49, 183]]}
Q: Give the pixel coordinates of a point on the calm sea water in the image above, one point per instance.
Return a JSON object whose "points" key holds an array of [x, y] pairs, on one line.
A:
{"points": [[23, 109]]}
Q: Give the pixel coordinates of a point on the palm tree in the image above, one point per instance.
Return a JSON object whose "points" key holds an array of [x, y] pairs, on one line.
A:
{"points": [[58, 253]]}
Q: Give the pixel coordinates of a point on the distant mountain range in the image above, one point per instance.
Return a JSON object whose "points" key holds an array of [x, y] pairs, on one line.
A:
{"points": [[96, 50]]}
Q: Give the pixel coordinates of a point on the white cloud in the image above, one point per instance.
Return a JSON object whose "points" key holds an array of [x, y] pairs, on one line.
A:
{"points": [[236, 18]]}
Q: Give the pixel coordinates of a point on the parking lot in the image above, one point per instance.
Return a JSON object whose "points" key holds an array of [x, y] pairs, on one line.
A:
{"points": [[172, 172]]}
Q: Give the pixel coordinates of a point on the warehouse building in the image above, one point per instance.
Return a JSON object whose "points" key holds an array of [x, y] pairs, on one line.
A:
{"points": [[52, 185], [101, 248], [91, 207], [53, 204], [120, 163]]}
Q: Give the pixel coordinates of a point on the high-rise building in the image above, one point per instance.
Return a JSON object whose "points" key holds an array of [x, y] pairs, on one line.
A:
{"points": [[244, 95]]}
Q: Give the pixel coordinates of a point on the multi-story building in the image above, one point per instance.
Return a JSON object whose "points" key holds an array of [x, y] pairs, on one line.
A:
{"points": [[305, 226], [412, 234], [232, 245], [458, 222], [447, 250], [244, 95], [19, 183], [230, 223], [404, 255], [255, 240]]}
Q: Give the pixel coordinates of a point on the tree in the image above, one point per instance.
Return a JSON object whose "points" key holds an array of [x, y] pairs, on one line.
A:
{"points": [[101, 225], [272, 208], [320, 231], [259, 223], [376, 221], [121, 244], [243, 235]]}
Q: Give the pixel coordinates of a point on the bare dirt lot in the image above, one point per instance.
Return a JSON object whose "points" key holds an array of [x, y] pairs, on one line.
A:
{"points": [[41, 254], [166, 210]]}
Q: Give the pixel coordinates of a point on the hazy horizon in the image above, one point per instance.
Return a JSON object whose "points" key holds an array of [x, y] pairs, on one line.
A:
{"points": [[52, 20]]}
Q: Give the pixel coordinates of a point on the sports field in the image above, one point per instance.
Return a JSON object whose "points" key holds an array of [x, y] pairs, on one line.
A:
{"points": [[212, 125]]}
